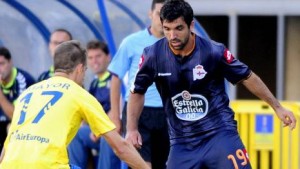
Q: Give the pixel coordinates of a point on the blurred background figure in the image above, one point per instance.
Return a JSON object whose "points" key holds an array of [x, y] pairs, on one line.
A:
{"points": [[13, 82], [57, 37]]}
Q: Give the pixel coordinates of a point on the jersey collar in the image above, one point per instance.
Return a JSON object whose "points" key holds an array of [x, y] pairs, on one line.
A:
{"points": [[104, 76]]}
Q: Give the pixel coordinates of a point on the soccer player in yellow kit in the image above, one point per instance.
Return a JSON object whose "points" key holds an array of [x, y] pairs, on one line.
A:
{"points": [[48, 114]]}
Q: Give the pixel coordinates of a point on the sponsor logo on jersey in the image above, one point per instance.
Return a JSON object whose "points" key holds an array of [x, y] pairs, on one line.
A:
{"points": [[164, 74], [190, 107], [142, 59], [18, 136], [228, 56], [198, 72]]}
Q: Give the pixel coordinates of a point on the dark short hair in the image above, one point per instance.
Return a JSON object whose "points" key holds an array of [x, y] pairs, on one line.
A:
{"points": [[65, 31], [156, 2], [174, 9], [96, 44], [68, 55], [5, 52]]}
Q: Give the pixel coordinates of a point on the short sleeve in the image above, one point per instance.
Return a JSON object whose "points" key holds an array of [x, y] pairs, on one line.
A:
{"points": [[233, 69], [146, 73], [95, 116]]}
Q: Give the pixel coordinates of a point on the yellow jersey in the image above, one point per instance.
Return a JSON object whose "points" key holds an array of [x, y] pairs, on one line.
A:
{"points": [[46, 118]]}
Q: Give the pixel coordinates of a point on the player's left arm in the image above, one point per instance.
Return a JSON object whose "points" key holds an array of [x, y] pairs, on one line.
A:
{"points": [[256, 86]]}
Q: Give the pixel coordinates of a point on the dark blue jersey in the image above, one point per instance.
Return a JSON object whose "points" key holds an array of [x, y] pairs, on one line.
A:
{"points": [[192, 88], [20, 81], [100, 89]]}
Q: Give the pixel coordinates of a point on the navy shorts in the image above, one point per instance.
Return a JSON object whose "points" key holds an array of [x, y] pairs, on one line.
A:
{"points": [[153, 128], [223, 150]]}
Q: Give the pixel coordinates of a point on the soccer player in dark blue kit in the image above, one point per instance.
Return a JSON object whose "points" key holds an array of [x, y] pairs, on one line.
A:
{"points": [[189, 73]]}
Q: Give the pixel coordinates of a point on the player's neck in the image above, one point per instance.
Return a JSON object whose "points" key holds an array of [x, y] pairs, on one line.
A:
{"points": [[61, 74]]}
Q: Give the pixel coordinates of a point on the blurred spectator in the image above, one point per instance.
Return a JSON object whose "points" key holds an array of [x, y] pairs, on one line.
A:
{"points": [[13, 82], [57, 37]]}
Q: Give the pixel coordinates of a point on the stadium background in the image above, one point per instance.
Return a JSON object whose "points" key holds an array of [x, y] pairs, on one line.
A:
{"points": [[265, 34]]}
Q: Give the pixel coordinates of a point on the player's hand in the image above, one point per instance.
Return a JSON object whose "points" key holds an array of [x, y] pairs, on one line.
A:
{"points": [[287, 117], [135, 138]]}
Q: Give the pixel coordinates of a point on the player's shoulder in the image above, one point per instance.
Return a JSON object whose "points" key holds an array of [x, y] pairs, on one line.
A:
{"points": [[217, 44], [155, 51], [210, 45], [158, 45], [25, 74], [208, 41]]}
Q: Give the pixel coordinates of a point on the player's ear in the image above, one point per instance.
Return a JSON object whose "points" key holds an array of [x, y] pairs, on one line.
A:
{"points": [[78, 68], [82, 67], [192, 26]]}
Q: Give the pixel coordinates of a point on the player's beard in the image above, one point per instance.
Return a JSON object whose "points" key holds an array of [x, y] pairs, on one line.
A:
{"points": [[182, 43]]}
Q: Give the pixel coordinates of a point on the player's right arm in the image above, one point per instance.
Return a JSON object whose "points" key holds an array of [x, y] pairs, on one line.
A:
{"points": [[125, 151], [143, 79], [115, 96], [134, 110]]}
